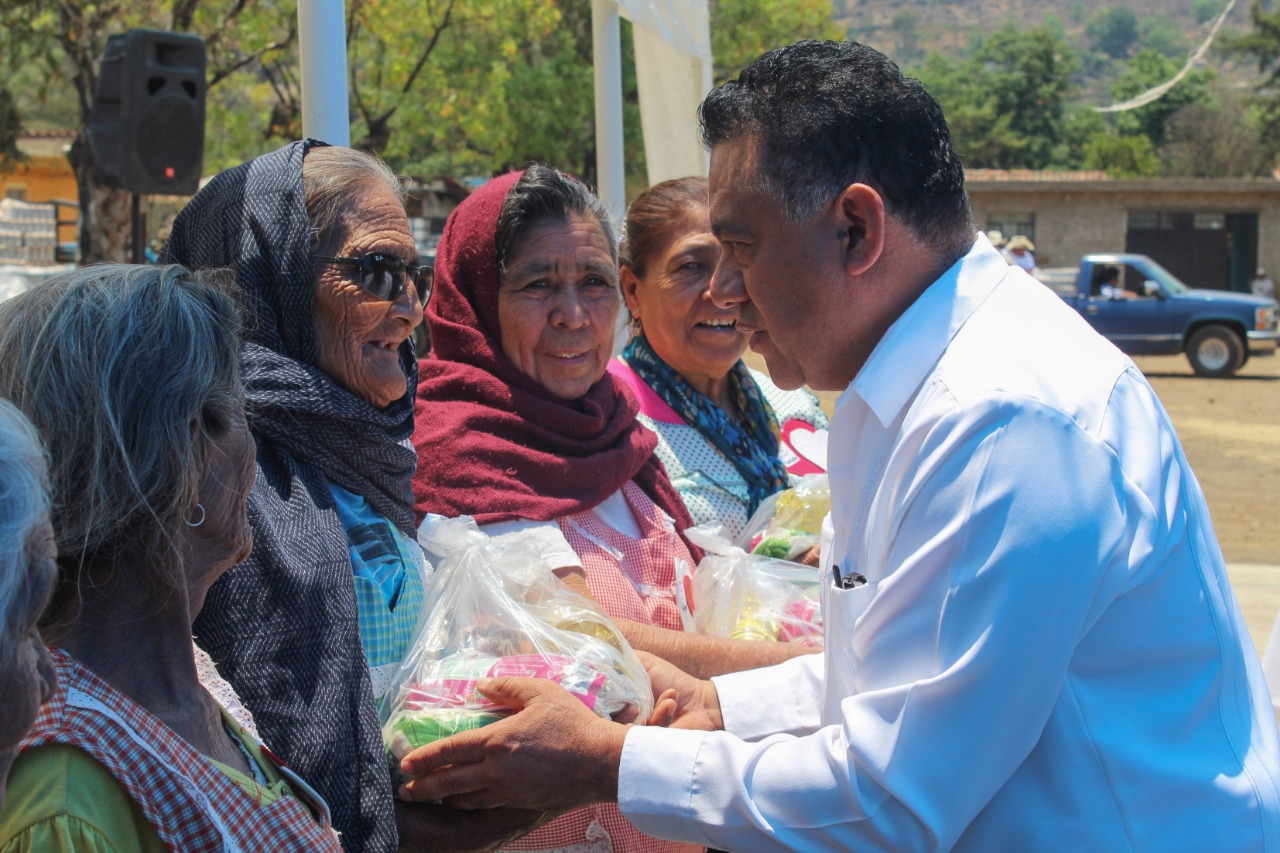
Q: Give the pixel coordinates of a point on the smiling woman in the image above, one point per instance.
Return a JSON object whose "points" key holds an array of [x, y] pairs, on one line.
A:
{"points": [[308, 629], [520, 426], [727, 435]]}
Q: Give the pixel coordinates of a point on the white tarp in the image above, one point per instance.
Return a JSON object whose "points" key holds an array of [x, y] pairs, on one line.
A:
{"points": [[683, 24], [672, 84], [673, 72]]}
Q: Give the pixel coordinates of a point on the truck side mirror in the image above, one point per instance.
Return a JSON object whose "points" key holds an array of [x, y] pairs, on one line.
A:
{"points": [[1150, 288]]}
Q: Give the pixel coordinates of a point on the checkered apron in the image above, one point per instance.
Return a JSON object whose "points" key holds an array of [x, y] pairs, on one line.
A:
{"points": [[192, 805], [632, 579]]}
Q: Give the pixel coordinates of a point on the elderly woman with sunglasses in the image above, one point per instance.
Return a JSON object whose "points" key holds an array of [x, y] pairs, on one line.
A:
{"points": [[310, 626]]}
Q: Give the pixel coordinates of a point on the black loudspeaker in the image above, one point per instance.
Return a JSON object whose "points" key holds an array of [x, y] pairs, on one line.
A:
{"points": [[146, 123]]}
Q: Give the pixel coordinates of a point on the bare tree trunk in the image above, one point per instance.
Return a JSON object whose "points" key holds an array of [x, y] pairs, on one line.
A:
{"points": [[105, 212]]}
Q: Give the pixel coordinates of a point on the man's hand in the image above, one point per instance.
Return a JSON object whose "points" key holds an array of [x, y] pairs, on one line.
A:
{"points": [[697, 705], [553, 755]]}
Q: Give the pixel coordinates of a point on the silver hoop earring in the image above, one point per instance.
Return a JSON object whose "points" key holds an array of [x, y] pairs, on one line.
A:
{"points": [[202, 516]]}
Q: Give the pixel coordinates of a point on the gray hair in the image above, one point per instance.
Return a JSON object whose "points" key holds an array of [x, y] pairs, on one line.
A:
{"points": [[128, 372], [544, 194], [331, 177], [24, 515]]}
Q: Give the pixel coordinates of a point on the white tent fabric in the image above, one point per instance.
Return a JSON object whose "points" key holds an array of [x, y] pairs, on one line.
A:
{"points": [[672, 84], [683, 24], [673, 71]]}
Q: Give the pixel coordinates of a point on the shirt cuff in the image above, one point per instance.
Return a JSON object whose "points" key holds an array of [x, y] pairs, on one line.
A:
{"points": [[781, 699], [655, 782], [545, 536]]}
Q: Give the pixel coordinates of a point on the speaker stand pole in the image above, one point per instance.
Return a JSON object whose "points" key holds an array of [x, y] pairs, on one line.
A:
{"points": [[139, 229]]}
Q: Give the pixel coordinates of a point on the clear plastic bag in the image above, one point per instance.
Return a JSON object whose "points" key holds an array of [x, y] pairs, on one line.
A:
{"points": [[492, 608], [788, 523], [753, 597]]}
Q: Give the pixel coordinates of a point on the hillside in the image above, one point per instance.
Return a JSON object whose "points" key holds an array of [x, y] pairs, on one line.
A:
{"points": [[908, 29]]}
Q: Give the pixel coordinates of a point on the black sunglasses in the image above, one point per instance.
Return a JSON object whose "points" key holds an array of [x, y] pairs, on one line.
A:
{"points": [[383, 275]]}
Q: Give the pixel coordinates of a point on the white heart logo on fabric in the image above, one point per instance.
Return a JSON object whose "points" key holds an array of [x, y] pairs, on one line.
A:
{"points": [[802, 448]]}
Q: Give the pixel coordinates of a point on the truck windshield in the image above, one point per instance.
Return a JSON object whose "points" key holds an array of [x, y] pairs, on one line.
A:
{"points": [[1167, 280]]}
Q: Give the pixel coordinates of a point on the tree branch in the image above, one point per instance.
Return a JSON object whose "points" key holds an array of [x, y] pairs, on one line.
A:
{"points": [[224, 72]]}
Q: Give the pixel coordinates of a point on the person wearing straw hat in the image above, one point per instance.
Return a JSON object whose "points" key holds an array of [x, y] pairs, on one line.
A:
{"points": [[1019, 251]]}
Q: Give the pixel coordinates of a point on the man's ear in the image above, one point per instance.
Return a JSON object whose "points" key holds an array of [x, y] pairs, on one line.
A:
{"points": [[861, 217], [629, 283]]}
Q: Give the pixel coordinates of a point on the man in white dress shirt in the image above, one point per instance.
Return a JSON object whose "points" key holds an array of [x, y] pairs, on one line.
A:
{"points": [[1031, 643]]}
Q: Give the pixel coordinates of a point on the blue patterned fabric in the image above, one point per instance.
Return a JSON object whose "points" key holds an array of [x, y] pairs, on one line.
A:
{"points": [[388, 580], [751, 444]]}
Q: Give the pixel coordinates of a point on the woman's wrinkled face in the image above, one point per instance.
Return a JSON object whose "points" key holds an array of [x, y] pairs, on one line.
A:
{"points": [[27, 678], [224, 494], [358, 336], [673, 302], [557, 305]]}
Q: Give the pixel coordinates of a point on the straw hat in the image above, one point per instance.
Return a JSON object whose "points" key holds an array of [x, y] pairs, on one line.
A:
{"points": [[996, 238], [1017, 241]]}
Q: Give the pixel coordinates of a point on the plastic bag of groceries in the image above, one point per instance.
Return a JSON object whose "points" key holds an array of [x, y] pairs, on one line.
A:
{"points": [[492, 608], [753, 597], [788, 523]]}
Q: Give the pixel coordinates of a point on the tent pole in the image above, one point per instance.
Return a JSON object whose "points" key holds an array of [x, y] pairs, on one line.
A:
{"points": [[607, 53], [322, 54]]}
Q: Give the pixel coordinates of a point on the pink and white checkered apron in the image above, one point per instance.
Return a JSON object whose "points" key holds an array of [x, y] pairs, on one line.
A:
{"points": [[192, 805], [632, 579]]}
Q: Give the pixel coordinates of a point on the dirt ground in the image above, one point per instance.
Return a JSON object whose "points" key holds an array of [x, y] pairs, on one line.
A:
{"points": [[1230, 430]]}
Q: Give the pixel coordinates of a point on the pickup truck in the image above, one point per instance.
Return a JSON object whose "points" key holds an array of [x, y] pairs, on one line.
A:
{"points": [[1144, 309]]}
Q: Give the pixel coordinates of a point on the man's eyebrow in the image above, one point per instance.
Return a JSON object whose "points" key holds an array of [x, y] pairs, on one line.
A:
{"points": [[721, 227]]}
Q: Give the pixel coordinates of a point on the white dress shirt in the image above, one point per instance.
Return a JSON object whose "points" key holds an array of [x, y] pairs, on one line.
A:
{"points": [[1045, 654]]}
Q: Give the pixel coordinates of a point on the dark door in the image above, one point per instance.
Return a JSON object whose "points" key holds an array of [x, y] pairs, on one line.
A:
{"points": [[1193, 246]]}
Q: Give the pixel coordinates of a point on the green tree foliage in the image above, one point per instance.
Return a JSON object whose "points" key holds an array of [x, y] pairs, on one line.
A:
{"points": [[1149, 68], [1163, 35], [1006, 104], [1121, 156], [1216, 138], [741, 30], [1112, 30], [64, 42], [1206, 10], [1261, 45], [906, 28]]}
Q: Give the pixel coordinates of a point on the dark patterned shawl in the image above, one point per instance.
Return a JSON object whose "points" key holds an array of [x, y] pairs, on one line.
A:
{"points": [[282, 626]]}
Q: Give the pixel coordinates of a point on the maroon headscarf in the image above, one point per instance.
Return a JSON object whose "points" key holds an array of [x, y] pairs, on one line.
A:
{"points": [[494, 444]]}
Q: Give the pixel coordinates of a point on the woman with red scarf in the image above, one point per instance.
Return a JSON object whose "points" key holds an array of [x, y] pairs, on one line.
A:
{"points": [[518, 424]]}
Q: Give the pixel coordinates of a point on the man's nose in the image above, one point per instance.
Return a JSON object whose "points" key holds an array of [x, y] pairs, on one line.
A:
{"points": [[727, 287]]}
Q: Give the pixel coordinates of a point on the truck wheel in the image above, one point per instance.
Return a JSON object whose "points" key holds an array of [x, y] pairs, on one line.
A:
{"points": [[1215, 351]]}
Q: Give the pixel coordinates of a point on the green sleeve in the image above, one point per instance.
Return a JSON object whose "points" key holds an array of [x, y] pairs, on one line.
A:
{"points": [[60, 799]]}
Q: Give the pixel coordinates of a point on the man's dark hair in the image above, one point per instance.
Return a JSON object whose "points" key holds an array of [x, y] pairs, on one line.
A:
{"points": [[544, 194], [828, 114]]}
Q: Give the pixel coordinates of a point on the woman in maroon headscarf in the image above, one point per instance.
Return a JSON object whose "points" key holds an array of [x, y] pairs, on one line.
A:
{"points": [[519, 425]]}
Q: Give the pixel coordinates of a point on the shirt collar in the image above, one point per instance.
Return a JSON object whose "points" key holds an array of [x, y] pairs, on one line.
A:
{"points": [[912, 346]]}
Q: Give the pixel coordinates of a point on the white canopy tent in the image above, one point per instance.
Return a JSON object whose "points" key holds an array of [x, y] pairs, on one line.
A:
{"points": [[673, 70]]}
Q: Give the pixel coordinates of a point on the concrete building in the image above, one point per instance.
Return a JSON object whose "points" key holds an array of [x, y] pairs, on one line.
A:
{"points": [[1210, 232]]}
